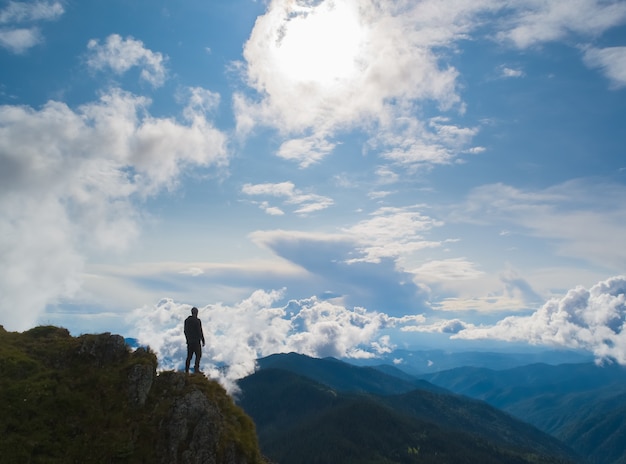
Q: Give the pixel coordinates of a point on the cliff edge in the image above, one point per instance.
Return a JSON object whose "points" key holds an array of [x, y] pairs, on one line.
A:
{"points": [[90, 399]]}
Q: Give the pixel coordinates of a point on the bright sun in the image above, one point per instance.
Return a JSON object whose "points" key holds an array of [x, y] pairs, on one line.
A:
{"points": [[321, 44]]}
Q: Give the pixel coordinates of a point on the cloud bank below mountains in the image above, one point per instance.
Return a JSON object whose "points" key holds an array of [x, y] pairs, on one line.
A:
{"points": [[258, 326], [592, 320]]}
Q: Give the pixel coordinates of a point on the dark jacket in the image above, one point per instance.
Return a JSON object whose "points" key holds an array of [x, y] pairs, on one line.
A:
{"points": [[193, 330]]}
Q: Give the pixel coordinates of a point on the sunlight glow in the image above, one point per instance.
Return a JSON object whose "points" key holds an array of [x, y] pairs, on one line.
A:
{"points": [[320, 44]]}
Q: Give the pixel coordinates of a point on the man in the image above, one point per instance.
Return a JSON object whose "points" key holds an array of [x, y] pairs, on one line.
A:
{"points": [[194, 335]]}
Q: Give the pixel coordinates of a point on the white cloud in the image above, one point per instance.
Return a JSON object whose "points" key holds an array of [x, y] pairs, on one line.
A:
{"points": [[536, 21], [410, 143], [18, 12], [306, 151], [452, 326], [392, 233], [389, 58], [119, 55], [510, 72], [590, 319], [200, 101], [258, 326], [447, 269], [311, 85], [306, 202], [193, 271], [70, 180], [271, 210], [18, 37], [19, 40], [611, 60]]}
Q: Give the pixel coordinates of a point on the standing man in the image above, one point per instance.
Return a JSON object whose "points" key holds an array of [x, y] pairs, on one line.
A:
{"points": [[194, 335]]}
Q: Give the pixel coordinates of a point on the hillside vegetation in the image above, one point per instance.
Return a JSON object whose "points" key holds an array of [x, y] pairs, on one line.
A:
{"points": [[90, 399]]}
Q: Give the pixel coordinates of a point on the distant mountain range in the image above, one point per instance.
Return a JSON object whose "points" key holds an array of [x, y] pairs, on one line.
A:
{"points": [[417, 362], [584, 405], [309, 410]]}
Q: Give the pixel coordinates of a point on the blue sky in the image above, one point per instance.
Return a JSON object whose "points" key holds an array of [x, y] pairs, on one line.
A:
{"points": [[329, 177]]}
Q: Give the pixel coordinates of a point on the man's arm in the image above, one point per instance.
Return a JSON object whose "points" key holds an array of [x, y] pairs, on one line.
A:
{"points": [[201, 332]]}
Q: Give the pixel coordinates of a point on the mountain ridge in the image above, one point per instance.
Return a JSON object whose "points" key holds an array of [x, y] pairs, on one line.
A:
{"points": [[582, 404], [308, 400]]}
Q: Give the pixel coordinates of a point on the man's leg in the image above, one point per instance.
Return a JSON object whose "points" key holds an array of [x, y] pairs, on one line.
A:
{"points": [[189, 355], [198, 353]]}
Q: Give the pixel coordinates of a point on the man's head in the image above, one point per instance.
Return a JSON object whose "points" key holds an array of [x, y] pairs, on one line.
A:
{"points": [[194, 311]]}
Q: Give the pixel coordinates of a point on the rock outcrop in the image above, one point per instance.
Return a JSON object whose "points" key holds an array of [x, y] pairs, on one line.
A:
{"points": [[90, 399]]}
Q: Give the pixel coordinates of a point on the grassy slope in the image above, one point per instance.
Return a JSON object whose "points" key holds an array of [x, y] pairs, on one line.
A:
{"points": [[58, 405]]}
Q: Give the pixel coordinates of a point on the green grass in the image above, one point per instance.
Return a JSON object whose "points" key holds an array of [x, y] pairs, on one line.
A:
{"points": [[60, 405]]}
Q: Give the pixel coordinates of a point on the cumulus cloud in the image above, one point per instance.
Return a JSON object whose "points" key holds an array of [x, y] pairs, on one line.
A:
{"points": [[611, 60], [305, 203], [119, 55], [70, 180], [320, 68], [258, 326], [18, 29], [591, 319], [389, 58]]}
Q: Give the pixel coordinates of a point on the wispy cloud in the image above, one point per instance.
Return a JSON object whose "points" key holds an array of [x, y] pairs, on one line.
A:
{"points": [[584, 218], [305, 203], [412, 144], [611, 60], [119, 55], [365, 274], [18, 12], [392, 232], [447, 269], [532, 23]]}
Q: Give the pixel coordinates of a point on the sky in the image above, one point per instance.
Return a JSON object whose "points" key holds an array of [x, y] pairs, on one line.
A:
{"points": [[331, 177]]}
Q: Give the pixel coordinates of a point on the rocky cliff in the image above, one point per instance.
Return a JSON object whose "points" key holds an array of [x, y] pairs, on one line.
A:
{"points": [[90, 399]]}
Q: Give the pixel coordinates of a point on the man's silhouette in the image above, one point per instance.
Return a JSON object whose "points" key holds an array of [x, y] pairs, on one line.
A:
{"points": [[194, 335]]}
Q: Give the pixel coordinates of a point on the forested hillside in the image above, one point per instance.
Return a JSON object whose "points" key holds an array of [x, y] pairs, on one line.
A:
{"points": [[307, 419], [583, 405]]}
